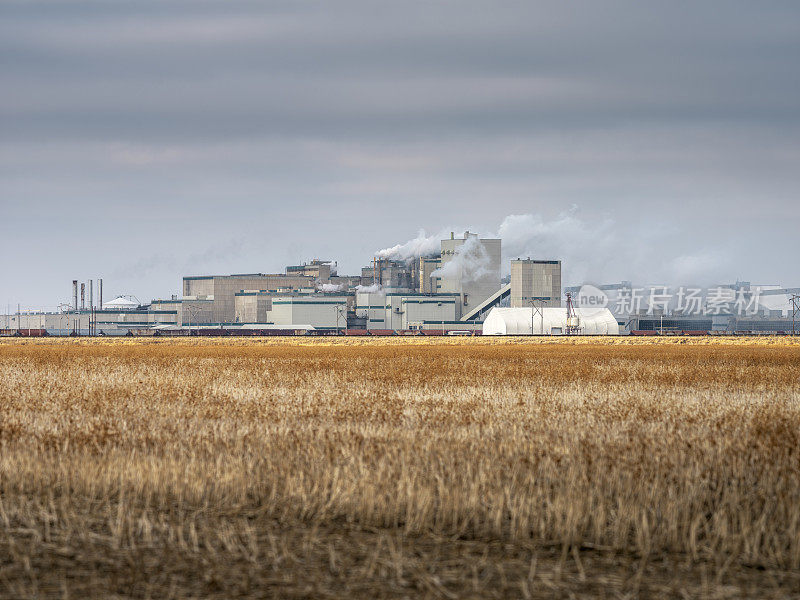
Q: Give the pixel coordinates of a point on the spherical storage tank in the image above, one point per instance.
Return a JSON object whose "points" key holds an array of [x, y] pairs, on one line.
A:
{"points": [[548, 321]]}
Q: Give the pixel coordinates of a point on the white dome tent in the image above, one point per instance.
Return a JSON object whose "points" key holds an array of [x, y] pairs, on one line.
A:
{"points": [[120, 303], [551, 321]]}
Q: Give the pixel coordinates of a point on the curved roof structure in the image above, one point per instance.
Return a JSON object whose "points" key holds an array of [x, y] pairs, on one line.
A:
{"points": [[523, 321], [120, 303]]}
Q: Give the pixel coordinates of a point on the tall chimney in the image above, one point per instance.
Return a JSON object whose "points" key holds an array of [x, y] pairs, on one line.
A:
{"points": [[91, 293], [75, 294], [100, 290], [83, 296]]}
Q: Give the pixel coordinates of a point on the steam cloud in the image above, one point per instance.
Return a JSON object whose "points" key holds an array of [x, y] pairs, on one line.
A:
{"points": [[591, 249], [421, 246], [470, 262], [602, 250], [522, 235], [329, 287], [587, 249], [375, 288]]}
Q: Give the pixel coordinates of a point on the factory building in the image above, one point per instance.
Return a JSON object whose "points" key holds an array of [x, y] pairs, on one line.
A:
{"points": [[187, 311], [449, 291], [400, 310], [318, 269], [535, 282], [263, 306], [318, 311], [55, 323], [420, 310], [668, 324], [86, 321], [325, 275], [457, 289], [470, 267], [252, 306], [428, 283], [222, 289], [371, 306], [392, 274]]}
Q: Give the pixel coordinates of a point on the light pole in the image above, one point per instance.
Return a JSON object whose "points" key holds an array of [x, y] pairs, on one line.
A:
{"points": [[339, 310], [534, 309], [193, 311], [63, 309]]}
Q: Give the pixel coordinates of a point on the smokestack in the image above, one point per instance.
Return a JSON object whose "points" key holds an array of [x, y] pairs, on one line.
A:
{"points": [[452, 235], [91, 293], [83, 296], [75, 294], [100, 290]]}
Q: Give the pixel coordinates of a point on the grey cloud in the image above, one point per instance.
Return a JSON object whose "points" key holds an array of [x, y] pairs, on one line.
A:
{"points": [[155, 129]]}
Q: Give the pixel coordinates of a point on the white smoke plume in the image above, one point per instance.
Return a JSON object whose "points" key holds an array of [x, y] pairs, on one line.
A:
{"points": [[531, 235], [375, 288], [522, 235], [592, 249], [586, 249], [329, 287], [422, 245], [470, 262]]}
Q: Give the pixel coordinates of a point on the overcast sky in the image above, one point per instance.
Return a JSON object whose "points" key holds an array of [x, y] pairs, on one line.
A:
{"points": [[143, 141]]}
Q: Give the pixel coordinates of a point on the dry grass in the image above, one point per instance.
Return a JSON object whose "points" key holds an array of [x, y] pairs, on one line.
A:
{"points": [[400, 468]]}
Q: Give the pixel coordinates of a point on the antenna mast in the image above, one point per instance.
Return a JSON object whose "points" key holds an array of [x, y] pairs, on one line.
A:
{"points": [[573, 321]]}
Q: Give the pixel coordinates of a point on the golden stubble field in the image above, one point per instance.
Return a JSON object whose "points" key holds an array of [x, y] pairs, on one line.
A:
{"points": [[453, 468]]}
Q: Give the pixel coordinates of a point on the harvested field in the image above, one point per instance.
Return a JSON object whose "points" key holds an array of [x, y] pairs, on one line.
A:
{"points": [[372, 468]]}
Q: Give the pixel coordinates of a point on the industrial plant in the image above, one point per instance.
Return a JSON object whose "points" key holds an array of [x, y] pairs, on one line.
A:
{"points": [[458, 290]]}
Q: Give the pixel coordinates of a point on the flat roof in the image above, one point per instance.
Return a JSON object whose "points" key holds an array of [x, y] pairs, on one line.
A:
{"points": [[538, 262], [180, 300], [415, 294], [196, 277]]}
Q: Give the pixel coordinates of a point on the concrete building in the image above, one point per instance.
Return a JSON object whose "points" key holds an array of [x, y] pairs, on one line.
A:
{"points": [[423, 309], [469, 267], [222, 289], [673, 323], [371, 306], [252, 306], [428, 284], [188, 311], [399, 310], [397, 275], [537, 281], [321, 270], [343, 283], [319, 311], [106, 322], [55, 323]]}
